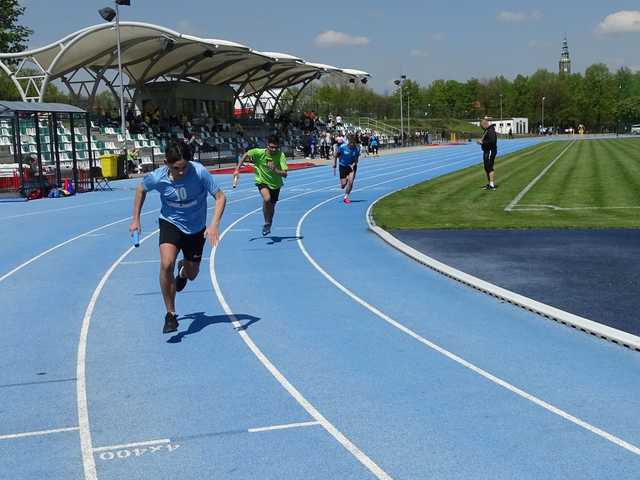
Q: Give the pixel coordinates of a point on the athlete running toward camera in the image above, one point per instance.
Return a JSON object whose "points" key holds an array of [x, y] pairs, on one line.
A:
{"points": [[347, 155], [183, 186], [270, 165]]}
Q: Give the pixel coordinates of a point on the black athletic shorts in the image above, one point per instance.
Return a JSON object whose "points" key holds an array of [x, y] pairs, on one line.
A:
{"points": [[345, 171], [191, 245], [274, 194], [489, 157]]}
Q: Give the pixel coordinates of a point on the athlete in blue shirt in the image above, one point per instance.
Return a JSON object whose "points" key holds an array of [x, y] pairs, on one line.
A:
{"points": [[183, 186], [347, 155]]}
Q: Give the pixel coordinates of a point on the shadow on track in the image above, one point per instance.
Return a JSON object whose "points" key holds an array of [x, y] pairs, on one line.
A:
{"points": [[200, 321], [273, 239]]}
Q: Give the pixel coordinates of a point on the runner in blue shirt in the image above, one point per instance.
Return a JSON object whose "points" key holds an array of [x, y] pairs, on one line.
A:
{"points": [[183, 186], [347, 154]]}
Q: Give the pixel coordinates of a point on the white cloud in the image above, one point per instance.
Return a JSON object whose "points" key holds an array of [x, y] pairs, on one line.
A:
{"points": [[418, 53], [331, 38], [518, 17], [620, 22]]}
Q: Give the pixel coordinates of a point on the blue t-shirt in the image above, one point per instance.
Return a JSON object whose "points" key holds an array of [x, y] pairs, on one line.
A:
{"points": [[184, 202], [373, 141], [348, 155]]}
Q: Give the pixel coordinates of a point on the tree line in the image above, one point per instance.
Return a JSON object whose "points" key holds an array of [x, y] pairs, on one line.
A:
{"points": [[599, 99]]}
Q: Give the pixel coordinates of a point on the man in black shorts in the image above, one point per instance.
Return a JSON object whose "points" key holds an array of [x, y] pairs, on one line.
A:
{"points": [[270, 165], [348, 155], [489, 143], [183, 186]]}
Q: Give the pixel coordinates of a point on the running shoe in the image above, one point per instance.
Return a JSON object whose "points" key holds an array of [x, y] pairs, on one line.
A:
{"points": [[486, 187], [266, 230], [170, 323], [346, 200], [181, 282]]}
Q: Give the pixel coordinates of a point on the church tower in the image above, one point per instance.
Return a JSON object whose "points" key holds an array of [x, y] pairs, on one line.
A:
{"points": [[565, 59]]}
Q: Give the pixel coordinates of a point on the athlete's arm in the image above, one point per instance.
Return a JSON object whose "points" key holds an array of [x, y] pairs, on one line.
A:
{"points": [[213, 230], [138, 201]]}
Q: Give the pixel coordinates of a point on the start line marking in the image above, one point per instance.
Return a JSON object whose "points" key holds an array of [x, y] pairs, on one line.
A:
{"points": [[162, 445], [37, 433]]}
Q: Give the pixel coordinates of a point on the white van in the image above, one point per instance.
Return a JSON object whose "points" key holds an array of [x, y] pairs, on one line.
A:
{"points": [[635, 129]]}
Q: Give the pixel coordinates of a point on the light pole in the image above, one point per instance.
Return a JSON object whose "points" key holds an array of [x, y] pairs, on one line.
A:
{"points": [[399, 83], [409, 114], [500, 107], [543, 99], [109, 14]]}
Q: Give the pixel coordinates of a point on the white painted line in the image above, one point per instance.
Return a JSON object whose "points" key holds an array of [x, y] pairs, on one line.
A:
{"points": [[37, 433], [526, 189], [283, 427], [532, 207], [311, 410], [53, 210], [132, 445], [86, 447], [140, 262], [461, 361], [589, 326]]}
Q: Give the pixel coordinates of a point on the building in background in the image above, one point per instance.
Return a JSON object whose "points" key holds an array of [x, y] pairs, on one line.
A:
{"points": [[565, 59], [517, 125]]}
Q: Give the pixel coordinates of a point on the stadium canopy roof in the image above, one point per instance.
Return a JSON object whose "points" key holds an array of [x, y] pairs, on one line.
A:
{"points": [[150, 53], [9, 108]]}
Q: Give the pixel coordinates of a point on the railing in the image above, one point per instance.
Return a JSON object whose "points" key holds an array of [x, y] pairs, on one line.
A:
{"points": [[378, 126]]}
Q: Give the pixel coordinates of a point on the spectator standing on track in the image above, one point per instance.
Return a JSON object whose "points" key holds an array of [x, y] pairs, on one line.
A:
{"points": [[374, 144], [348, 155], [489, 144], [270, 165], [183, 186]]}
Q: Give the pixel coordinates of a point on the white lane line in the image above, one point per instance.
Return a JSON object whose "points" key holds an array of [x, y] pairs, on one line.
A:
{"points": [[86, 446], [37, 433], [283, 427], [532, 207], [304, 403], [461, 361], [132, 445], [531, 184], [60, 245], [139, 262], [53, 210]]}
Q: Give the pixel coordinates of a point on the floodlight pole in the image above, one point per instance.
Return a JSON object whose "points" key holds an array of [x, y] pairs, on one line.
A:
{"points": [[401, 116], [122, 116], [500, 107], [409, 115], [543, 99]]}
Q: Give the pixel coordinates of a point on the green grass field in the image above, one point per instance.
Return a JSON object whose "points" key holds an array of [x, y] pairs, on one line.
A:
{"points": [[595, 184]]}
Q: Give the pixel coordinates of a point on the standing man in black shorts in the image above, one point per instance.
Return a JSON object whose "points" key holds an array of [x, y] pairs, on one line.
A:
{"points": [[183, 186], [270, 165], [489, 144]]}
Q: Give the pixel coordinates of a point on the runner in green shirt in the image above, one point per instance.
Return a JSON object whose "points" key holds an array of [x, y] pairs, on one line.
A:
{"points": [[270, 165]]}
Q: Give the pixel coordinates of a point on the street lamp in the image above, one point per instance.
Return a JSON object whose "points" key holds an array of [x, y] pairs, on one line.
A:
{"points": [[399, 83], [543, 99], [108, 14]]}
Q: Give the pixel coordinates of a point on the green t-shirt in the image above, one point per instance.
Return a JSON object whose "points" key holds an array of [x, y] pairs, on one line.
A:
{"points": [[264, 175]]}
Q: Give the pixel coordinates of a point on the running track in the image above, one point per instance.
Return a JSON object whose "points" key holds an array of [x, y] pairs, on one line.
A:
{"points": [[315, 353]]}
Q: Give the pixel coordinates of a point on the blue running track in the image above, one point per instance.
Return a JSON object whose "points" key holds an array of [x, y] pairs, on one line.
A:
{"points": [[317, 352]]}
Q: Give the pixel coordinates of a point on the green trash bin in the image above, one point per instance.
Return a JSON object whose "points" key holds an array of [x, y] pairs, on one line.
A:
{"points": [[109, 164]]}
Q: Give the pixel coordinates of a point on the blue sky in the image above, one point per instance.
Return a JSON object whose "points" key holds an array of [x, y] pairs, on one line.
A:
{"points": [[426, 40]]}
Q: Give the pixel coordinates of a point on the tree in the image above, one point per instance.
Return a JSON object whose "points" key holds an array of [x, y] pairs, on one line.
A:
{"points": [[13, 37]]}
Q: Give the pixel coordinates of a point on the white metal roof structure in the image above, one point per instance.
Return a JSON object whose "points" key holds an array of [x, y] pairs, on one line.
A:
{"points": [[153, 53]]}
